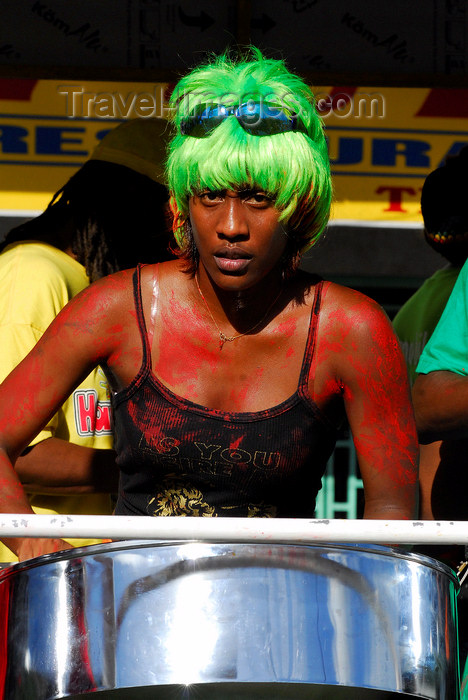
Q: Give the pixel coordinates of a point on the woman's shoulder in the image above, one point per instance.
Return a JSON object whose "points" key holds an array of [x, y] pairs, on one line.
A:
{"points": [[119, 292], [162, 270], [334, 296], [169, 277], [355, 334], [113, 285], [352, 309], [351, 299], [124, 282], [102, 300]]}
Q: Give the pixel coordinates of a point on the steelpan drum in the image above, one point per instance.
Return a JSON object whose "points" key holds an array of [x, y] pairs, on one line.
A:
{"points": [[159, 620]]}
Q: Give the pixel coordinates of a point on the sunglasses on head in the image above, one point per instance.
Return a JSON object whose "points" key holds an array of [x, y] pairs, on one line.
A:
{"points": [[257, 118]]}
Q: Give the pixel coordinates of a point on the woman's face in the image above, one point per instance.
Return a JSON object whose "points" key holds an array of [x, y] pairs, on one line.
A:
{"points": [[238, 235]]}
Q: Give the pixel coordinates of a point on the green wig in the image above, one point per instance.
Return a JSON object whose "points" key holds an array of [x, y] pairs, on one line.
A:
{"points": [[292, 167]]}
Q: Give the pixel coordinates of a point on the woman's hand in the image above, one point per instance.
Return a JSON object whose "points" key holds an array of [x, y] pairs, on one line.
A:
{"points": [[30, 547]]}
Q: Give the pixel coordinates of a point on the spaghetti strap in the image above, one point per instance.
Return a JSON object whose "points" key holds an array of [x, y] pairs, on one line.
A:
{"points": [[146, 360], [154, 307], [311, 338]]}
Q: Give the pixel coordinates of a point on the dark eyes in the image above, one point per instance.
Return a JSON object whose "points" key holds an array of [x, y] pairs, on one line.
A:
{"points": [[255, 197], [211, 195], [260, 197]]}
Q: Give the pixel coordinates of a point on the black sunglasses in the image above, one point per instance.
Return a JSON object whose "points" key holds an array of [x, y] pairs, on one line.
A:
{"points": [[257, 118]]}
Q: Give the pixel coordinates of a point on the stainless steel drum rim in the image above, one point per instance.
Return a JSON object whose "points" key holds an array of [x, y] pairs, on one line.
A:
{"points": [[122, 545], [151, 617]]}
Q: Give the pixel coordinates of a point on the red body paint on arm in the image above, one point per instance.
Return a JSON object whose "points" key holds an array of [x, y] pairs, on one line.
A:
{"points": [[360, 349]]}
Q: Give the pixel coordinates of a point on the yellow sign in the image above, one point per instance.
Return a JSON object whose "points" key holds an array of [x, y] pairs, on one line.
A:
{"points": [[383, 142], [49, 128]]}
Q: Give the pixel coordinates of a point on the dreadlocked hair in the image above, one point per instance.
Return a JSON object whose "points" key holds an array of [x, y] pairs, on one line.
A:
{"points": [[116, 215]]}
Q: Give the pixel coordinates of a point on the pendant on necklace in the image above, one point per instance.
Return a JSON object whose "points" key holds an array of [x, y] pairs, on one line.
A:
{"points": [[222, 339]]}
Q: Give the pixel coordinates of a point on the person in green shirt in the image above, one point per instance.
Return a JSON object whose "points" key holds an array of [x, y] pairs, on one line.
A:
{"points": [[445, 216], [437, 318], [444, 213]]}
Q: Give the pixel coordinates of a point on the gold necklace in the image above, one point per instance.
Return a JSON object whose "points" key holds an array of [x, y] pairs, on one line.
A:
{"points": [[223, 338]]}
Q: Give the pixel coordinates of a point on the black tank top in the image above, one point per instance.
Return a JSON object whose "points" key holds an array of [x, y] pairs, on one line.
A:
{"points": [[179, 458]]}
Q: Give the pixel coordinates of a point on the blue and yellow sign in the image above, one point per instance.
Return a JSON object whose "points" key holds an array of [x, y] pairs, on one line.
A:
{"points": [[382, 141], [49, 128]]}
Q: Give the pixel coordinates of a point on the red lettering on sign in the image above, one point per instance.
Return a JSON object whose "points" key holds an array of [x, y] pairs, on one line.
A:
{"points": [[17, 89], [445, 102], [396, 196], [103, 419], [91, 417]]}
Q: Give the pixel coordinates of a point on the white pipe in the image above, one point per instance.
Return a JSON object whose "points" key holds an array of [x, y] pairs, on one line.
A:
{"points": [[282, 530]]}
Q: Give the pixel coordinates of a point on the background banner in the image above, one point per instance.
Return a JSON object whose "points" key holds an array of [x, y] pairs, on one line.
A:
{"points": [[382, 141]]}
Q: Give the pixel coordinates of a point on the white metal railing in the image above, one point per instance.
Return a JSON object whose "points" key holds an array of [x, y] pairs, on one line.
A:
{"points": [[278, 530]]}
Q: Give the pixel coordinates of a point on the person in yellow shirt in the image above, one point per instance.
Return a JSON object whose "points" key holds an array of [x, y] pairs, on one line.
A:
{"points": [[111, 215]]}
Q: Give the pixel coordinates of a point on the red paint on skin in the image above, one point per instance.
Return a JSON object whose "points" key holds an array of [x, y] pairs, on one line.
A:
{"points": [[35, 389], [375, 380], [347, 393], [384, 428], [15, 490], [203, 329], [181, 355], [381, 426], [285, 365], [12, 496], [286, 328], [23, 404], [238, 397]]}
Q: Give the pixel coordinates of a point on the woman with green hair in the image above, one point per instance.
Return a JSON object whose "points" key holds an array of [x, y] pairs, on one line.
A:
{"points": [[231, 368], [223, 153]]}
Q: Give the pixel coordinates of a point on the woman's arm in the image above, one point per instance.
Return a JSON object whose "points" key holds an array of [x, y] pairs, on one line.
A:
{"points": [[83, 335], [13, 500], [58, 467], [376, 393], [441, 405]]}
